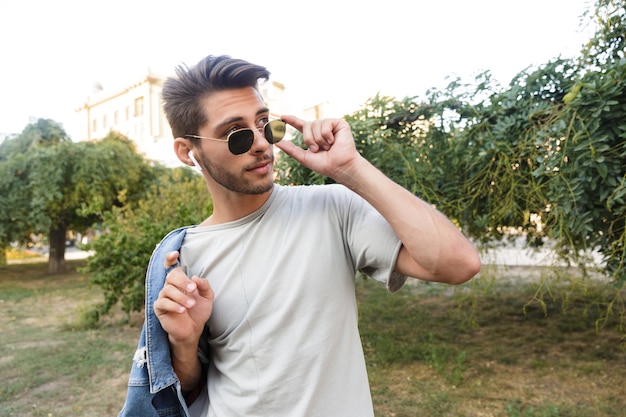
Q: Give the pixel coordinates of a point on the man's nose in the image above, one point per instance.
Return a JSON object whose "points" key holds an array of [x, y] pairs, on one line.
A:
{"points": [[260, 143]]}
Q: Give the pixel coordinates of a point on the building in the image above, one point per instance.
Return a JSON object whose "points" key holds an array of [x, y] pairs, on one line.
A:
{"points": [[136, 112]]}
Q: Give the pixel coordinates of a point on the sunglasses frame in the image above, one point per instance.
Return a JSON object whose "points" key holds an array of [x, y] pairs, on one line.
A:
{"points": [[249, 141]]}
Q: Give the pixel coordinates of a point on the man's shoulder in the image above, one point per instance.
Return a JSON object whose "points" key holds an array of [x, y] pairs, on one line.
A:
{"points": [[174, 237], [315, 198], [315, 190]]}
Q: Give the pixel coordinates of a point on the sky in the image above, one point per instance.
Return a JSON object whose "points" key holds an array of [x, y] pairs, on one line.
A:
{"points": [[324, 51]]}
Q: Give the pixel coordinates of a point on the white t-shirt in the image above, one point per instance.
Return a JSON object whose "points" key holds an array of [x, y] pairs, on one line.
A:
{"points": [[284, 337]]}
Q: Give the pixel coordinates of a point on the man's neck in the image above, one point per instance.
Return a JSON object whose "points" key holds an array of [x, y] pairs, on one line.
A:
{"points": [[231, 206]]}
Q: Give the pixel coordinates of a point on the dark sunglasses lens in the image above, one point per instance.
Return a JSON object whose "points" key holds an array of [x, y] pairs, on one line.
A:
{"points": [[241, 141], [275, 131]]}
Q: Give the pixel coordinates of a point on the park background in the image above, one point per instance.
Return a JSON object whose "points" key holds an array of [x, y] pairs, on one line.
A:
{"points": [[538, 162]]}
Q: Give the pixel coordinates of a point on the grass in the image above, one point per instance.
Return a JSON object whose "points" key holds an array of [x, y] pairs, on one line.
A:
{"points": [[494, 348], [50, 365], [500, 346]]}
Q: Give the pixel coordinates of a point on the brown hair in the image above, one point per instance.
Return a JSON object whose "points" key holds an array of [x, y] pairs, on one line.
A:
{"points": [[183, 95]]}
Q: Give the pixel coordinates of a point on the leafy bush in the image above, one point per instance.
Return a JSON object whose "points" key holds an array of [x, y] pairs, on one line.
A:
{"points": [[543, 156], [130, 233]]}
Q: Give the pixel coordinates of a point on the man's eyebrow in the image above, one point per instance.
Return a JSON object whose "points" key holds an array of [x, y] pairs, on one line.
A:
{"points": [[239, 118]]}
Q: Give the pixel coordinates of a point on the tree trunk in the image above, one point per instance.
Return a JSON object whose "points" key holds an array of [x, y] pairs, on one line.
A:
{"points": [[3, 255], [56, 259]]}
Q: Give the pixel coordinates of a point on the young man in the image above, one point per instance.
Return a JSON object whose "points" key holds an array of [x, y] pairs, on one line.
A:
{"points": [[253, 311]]}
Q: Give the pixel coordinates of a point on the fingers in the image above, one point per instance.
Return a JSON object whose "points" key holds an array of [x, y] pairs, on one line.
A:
{"points": [[293, 121], [293, 151], [178, 290], [164, 305], [204, 288], [171, 261], [318, 134], [184, 304], [177, 295]]}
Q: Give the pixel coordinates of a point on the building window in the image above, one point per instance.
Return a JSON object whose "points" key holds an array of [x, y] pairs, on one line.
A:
{"points": [[139, 106], [116, 117], [94, 125], [104, 122], [127, 113]]}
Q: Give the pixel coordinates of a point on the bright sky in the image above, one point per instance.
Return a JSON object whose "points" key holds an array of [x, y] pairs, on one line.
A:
{"points": [[335, 51]]}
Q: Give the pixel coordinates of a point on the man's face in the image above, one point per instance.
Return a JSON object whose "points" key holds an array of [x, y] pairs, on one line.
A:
{"points": [[251, 172]]}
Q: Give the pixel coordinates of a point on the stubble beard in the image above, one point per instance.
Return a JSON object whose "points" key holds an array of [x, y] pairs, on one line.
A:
{"points": [[235, 183]]}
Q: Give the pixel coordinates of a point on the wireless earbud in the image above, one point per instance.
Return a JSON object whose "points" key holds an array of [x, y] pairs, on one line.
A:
{"points": [[195, 163]]}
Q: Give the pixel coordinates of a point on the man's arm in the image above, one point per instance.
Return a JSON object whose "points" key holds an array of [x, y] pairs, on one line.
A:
{"points": [[188, 369], [183, 308], [433, 248]]}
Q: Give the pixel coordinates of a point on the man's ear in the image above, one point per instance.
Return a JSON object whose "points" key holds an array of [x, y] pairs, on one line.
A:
{"points": [[182, 148], [196, 165]]}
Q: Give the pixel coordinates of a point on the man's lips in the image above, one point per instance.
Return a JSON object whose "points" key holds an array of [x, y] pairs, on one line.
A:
{"points": [[262, 166]]}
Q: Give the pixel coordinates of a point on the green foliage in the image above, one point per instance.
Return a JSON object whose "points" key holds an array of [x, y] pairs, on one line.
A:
{"points": [[438, 358], [54, 185], [14, 204], [19, 207], [391, 136], [584, 178], [41, 133], [553, 143], [290, 172], [74, 183], [130, 233], [516, 409], [545, 155], [16, 163], [112, 173], [609, 41]]}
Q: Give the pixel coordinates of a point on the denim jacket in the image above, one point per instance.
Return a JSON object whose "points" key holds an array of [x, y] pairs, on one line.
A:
{"points": [[153, 387]]}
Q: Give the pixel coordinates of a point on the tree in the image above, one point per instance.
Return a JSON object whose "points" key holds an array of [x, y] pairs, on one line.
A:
{"points": [[608, 44], [66, 185], [14, 204], [16, 155], [552, 143]]}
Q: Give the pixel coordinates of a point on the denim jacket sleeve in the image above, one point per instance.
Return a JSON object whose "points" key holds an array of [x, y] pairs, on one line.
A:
{"points": [[153, 388]]}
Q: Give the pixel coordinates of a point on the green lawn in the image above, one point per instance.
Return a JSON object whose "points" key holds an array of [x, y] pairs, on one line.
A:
{"points": [[487, 348]]}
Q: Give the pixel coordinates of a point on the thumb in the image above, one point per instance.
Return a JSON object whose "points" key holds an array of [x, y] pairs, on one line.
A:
{"points": [[203, 286], [171, 261], [292, 150]]}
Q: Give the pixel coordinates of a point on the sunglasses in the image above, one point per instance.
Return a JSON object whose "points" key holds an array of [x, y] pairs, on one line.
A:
{"points": [[240, 141]]}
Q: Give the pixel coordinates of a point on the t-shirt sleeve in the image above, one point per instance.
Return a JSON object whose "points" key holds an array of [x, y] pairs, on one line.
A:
{"points": [[373, 244]]}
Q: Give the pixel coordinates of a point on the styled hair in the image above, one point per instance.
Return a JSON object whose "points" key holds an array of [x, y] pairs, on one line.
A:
{"points": [[183, 95]]}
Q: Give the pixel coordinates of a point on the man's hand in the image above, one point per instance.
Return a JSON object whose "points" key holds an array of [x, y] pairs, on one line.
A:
{"points": [[331, 149], [184, 305]]}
